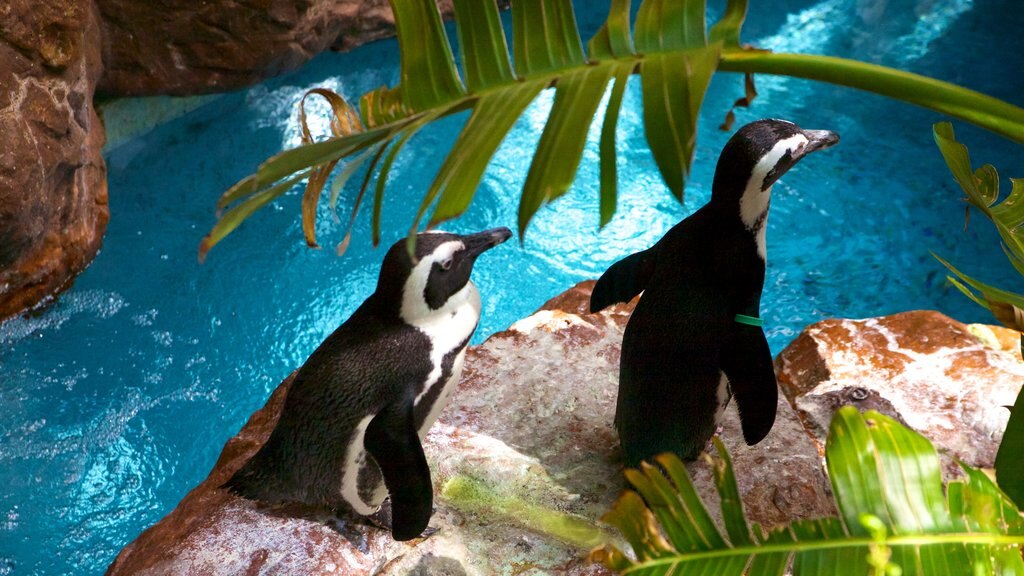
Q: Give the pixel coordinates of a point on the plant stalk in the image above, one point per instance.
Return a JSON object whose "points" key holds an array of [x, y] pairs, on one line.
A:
{"points": [[983, 539], [985, 111]]}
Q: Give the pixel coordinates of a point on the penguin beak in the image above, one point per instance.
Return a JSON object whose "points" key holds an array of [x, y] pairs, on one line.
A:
{"points": [[818, 140], [480, 242]]}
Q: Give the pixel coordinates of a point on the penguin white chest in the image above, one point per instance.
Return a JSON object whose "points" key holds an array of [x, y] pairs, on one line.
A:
{"points": [[448, 331], [758, 192], [723, 393]]}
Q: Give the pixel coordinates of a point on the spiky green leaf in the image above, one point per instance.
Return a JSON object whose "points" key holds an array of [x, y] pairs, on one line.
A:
{"points": [[670, 25], [613, 39], [382, 178], [887, 485], [545, 37], [671, 54], [232, 218], [729, 497], [1010, 458], [457, 180], [482, 39], [673, 85], [727, 30], [565, 135], [608, 168], [289, 162], [428, 74]]}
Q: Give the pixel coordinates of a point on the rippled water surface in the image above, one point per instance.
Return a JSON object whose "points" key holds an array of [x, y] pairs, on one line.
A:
{"points": [[117, 399]]}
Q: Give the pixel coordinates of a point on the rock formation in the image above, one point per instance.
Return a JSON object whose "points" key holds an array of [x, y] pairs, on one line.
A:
{"points": [[529, 429], [55, 55], [949, 381], [53, 191]]}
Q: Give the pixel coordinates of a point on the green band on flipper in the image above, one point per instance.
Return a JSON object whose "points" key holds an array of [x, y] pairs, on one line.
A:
{"points": [[749, 320]]}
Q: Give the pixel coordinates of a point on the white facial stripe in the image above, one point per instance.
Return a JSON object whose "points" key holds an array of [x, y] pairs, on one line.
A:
{"points": [[754, 202], [413, 304]]}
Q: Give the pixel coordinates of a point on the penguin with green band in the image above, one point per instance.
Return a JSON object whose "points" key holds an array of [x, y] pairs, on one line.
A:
{"points": [[695, 339]]}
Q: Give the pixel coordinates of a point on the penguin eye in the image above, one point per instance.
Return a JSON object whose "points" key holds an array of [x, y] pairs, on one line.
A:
{"points": [[446, 264]]}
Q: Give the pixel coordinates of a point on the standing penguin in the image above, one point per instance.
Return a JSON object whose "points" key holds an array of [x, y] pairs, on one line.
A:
{"points": [[694, 339], [352, 424]]}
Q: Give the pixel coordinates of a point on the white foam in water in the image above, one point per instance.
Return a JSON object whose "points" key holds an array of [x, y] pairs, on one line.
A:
{"points": [[98, 303], [267, 105]]}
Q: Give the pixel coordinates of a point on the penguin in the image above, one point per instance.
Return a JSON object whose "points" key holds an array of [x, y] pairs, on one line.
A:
{"points": [[694, 339], [351, 429]]}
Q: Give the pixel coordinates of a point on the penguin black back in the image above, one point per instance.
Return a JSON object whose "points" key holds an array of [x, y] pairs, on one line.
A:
{"points": [[694, 339], [351, 427]]}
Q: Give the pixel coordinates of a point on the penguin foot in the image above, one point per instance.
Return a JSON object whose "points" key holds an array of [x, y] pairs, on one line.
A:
{"points": [[351, 530], [382, 519]]}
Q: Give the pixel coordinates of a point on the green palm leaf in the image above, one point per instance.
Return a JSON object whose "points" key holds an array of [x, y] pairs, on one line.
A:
{"points": [[982, 189], [672, 55], [1009, 464], [484, 50], [561, 144], [887, 485]]}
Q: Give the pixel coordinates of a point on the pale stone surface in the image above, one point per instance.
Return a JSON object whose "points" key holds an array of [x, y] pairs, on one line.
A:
{"points": [[929, 371], [530, 422]]}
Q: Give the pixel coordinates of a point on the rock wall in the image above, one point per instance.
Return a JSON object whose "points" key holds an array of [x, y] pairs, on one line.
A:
{"points": [[55, 55], [188, 47], [53, 192]]}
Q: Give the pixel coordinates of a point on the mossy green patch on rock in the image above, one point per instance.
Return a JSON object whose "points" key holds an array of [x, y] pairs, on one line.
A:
{"points": [[472, 495]]}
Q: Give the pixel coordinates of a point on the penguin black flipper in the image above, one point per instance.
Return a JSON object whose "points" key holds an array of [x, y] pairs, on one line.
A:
{"points": [[747, 363], [622, 281], [392, 440]]}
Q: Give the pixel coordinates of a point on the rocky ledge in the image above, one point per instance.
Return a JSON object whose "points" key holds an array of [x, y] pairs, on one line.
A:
{"points": [[524, 459]]}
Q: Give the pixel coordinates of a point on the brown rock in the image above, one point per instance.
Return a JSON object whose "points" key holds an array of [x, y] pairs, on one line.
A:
{"points": [[53, 194], [187, 47], [531, 424], [923, 368]]}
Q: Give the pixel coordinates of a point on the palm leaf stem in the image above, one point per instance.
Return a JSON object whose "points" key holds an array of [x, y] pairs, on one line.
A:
{"points": [[859, 542], [987, 112]]}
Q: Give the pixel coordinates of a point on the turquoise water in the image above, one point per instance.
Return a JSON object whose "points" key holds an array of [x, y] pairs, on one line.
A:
{"points": [[117, 399]]}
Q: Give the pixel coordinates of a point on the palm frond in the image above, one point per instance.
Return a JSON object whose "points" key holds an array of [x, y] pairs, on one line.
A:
{"points": [[982, 189], [669, 48], [888, 488], [1009, 464], [1006, 306]]}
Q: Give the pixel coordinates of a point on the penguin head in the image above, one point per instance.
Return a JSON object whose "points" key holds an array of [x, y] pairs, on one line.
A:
{"points": [[435, 278], [756, 157]]}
